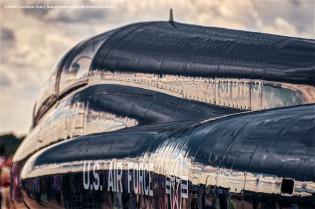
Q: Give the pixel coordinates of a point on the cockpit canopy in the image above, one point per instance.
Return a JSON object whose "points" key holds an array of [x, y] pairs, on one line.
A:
{"points": [[70, 72]]}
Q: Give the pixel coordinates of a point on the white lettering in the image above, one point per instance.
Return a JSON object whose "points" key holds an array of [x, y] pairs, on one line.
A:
{"points": [[96, 183], [119, 177], [110, 185], [86, 175]]}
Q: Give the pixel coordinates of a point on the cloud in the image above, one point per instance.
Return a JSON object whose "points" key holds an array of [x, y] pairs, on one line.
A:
{"points": [[35, 12], [72, 13], [299, 14], [7, 39], [16, 110], [281, 26], [76, 15], [7, 35], [4, 81]]}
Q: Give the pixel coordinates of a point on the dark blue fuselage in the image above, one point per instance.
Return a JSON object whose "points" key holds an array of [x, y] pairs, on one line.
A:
{"points": [[159, 115]]}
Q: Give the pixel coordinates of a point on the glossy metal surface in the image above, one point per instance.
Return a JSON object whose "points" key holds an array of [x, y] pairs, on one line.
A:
{"points": [[247, 94], [103, 108], [163, 49], [151, 115], [190, 50], [219, 160]]}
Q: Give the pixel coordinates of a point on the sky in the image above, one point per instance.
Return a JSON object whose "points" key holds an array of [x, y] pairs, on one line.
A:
{"points": [[33, 39]]}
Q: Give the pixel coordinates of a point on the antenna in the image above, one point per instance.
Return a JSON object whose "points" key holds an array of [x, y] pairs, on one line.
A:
{"points": [[171, 19]]}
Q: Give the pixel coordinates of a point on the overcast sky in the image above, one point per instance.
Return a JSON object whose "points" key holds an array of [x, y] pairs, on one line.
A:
{"points": [[32, 40]]}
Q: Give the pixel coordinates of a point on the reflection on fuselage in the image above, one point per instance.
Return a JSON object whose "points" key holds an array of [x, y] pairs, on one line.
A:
{"points": [[72, 119], [247, 94]]}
